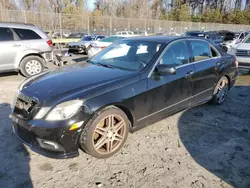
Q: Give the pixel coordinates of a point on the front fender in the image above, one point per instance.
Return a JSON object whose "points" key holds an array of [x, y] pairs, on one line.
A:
{"points": [[22, 54]]}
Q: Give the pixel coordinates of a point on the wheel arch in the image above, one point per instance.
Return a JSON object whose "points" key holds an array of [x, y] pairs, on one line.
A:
{"points": [[32, 54], [124, 109]]}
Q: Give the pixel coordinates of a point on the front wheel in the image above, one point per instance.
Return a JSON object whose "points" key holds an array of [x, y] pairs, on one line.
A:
{"points": [[31, 65], [221, 91], [106, 133]]}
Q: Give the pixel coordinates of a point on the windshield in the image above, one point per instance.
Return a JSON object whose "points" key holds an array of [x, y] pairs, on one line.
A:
{"points": [[111, 39], [247, 39], [88, 38], [127, 54]]}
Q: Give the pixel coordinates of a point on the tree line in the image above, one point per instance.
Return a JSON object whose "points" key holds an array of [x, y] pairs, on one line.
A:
{"points": [[219, 11]]}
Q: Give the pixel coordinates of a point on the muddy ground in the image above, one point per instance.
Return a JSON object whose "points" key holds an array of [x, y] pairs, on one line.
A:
{"points": [[206, 146]]}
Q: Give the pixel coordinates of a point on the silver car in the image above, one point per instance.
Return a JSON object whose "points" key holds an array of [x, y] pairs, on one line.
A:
{"points": [[242, 52], [24, 48]]}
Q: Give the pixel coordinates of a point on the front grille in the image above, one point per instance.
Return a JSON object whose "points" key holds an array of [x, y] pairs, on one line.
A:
{"points": [[242, 53], [24, 106]]}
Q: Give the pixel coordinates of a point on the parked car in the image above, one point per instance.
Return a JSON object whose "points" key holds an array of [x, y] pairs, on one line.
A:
{"points": [[227, 35], [24, 48], [115, 93], [98, 46], [140, 33], [77, 35], [82, 45], [122, 33], [230, 43], [242, 52], [213, 36]]}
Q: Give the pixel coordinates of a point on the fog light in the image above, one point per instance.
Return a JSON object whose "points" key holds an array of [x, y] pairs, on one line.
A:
{"points": [[76, 126], [46, 144]]}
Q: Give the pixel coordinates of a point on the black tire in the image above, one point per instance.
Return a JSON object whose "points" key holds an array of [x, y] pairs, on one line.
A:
{"points": [[36, 70], [89, 134], [220, 91]]}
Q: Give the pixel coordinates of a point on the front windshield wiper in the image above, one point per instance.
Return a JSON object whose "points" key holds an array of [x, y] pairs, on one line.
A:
{"points": [[100, 64], [105, 65]]}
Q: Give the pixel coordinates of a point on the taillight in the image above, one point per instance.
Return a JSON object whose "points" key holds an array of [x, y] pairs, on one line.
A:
{"points": [[50, 43], [102, 47]]}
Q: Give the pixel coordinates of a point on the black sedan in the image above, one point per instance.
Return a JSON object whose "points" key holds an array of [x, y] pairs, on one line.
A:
{"points": [[130, 84]]}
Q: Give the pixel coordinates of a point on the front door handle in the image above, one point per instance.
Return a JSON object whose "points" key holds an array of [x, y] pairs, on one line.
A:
{"points": [[188, 74], [16, 45]]}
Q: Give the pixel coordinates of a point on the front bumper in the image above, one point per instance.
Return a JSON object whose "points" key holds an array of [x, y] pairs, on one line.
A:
{"points": [[37, 133], [244, 62]]}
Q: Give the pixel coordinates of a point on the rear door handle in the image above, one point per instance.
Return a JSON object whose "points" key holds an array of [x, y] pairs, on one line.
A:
{"points": [[16, 45], [188, 74]]}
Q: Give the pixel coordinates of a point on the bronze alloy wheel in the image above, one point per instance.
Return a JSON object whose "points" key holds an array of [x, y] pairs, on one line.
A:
{"points": [[109, 134], [105, 133], [221, 91]]}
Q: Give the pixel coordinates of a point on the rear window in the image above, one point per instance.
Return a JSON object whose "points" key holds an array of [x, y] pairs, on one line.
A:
{"points": [[26, 34], [6, 34]]}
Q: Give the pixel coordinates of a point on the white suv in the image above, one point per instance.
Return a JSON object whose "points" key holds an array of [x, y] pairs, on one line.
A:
{"points": [[24, 47]]}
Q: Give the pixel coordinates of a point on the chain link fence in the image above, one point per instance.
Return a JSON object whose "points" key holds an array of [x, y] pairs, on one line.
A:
{"points": [[66, 23]]}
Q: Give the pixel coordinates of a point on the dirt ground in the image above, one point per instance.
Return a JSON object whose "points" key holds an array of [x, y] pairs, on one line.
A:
{"points": [[206, 146]]}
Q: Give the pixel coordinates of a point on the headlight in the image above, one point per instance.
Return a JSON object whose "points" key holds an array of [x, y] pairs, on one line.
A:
{"points": [[64, 110]]}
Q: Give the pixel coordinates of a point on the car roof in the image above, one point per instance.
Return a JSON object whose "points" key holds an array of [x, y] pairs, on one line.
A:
{"points": [[38, 30], [21, 25]]}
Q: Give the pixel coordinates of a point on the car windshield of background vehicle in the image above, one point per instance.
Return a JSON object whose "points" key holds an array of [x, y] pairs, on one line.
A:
{"points": [[247, 39], [128, 54], [88, 38]]}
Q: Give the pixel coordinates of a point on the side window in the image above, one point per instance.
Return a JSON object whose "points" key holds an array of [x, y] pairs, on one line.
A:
{"points": [[176, 54], [214, 52], [201, 50], [6, 34], [124, 33], [26, 34]]}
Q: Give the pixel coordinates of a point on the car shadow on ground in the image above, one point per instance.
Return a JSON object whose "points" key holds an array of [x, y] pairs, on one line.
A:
{"points": [[218, 137], [14, 157]]}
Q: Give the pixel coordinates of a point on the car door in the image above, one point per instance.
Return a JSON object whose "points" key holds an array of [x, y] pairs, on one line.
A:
{"points": [[170, 93], [9, 48], [206, 60]]}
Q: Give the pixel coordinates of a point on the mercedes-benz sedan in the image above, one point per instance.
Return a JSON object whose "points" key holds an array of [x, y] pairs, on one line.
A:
{"points": [[130, 84]]}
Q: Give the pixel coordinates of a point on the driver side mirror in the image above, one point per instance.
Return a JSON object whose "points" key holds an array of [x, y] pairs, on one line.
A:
{"points": [[163, 70]]}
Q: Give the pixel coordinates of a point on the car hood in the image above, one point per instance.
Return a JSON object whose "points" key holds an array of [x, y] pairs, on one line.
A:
{"points": [[243, 46], [75, 79]]}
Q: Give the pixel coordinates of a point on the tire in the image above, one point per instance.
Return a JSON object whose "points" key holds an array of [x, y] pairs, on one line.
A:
{"points": [[31, 65], [102, 141], [220, 91]]}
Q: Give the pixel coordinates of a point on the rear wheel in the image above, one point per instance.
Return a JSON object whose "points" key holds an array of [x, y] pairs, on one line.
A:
{"points": [[106, 133], [221, 91], [31, 65]]}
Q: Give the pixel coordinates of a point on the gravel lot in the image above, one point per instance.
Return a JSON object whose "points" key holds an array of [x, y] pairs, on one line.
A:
{"points": [[206, 146]]}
